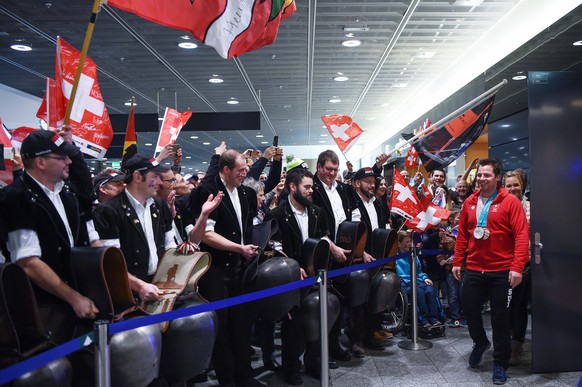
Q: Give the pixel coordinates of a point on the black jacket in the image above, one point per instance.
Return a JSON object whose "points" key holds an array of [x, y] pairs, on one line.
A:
{"points": [[365, 217], [321, 199], [117, 219], [226, 219], [289, 233], [26, 206]]}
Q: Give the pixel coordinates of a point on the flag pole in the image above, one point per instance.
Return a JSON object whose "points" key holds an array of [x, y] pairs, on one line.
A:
{"points": [[86, 42], [48, 104], [438, 125]]}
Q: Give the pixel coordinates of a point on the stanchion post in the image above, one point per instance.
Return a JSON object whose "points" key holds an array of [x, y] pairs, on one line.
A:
{"points": [[322, 281], [102, 371], [415, 344]]}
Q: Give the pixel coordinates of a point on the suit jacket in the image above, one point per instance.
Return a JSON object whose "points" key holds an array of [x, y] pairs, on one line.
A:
{"points": [[225, 217], [26, 206], [321, 199], [117, 219], [289, 233]]}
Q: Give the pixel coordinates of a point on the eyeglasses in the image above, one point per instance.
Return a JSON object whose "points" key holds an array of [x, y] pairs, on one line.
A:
{"points": [[61, 158], [331, 170], [171, 181]]}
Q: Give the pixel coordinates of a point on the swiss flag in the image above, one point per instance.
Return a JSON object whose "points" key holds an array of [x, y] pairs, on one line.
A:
{"points": [[52, 108], [343, 129], [403, 201], [171, 126], [429, 216], [425, 191], [89, 121], [411, 158]]}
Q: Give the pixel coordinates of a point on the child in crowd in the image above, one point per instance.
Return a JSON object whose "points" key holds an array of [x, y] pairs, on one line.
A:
{"points": [[428, 308], [447, 236]]}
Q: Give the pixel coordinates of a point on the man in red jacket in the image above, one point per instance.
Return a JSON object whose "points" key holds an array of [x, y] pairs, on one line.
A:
{"points": [[494, 237]]}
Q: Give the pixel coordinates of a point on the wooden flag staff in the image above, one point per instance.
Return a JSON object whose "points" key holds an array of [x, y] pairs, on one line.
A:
{"points": [[85, 49]]}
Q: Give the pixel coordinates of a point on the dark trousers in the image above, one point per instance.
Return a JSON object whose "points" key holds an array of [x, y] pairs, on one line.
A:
{"points": [[231, 356], [519, 301], [292, 342], [477, 287]]}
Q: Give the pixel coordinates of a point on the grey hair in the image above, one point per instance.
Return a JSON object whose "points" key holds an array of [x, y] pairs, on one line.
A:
{"points": [[254, 184]]}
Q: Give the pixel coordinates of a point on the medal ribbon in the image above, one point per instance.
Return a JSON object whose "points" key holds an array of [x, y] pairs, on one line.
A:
{"points": [[485, 211]]}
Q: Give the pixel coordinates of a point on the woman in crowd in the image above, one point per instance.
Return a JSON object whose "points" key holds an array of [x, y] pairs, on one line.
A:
{"points": [[513, 183]]}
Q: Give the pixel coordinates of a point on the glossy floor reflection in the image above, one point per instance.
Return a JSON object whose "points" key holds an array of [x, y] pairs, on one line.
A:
{"points": [[445, 364]]}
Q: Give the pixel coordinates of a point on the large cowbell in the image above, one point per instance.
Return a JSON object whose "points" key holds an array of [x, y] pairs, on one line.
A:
{"points": [[135, 356], [358, 287], [274, 272], [57, 373], [188, 342], [310, 314], [384, 290]]}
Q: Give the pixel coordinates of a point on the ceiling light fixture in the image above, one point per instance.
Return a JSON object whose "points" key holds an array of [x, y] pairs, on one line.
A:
{"points": [[232, 102], [351, 43], [205, 143], [259, 136], [128, 103], [335, 100], [264, 142], [21, 47], [323, 135], [578, 43], [215, 80], [341, 78], [194, 137], [187, 45], [188, 157], [148, 144], [185, 37], [519, 77], [356, 29]]}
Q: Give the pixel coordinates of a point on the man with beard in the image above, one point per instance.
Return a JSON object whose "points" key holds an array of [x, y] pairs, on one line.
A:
{"points": [[225, 239], [369, 212], [298, 219]]}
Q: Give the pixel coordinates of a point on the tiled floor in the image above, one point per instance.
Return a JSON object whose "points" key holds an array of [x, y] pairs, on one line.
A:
{"points": [[445, 364]]}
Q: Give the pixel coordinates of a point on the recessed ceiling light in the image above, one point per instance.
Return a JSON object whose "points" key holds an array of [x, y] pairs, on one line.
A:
{"points": [[519, 77], [356, 29], [148, 144], [128, 103], [259, 136], [351, 43], [322, 141], [188, 157], [232, 102], [189, 168], [578, 43], [205, 162], [505, 126], [205, 143], [194, 137], [335, 100], [264, 142], [21, 47], [424, 54], [187, 45], [341, 78], [160, 118], [323, 135], [215, 80]]}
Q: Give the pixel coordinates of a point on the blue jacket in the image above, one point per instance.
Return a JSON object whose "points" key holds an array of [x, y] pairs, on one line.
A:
{"points": [[403, 271]]}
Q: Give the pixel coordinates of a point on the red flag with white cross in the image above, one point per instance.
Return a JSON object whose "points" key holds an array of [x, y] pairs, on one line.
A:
{"points": [[403, 201], [431, 215], [411, 158], [171, 126], [89, 121], [343, 129]]}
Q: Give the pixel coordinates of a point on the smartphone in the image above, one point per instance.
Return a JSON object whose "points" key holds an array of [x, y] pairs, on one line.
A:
{"points": [[175, 148], [255, 154], [276, 141]]}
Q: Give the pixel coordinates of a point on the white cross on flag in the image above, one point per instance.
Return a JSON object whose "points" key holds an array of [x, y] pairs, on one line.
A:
{"points": [[89, 120], [343, 129], [171, 126], [431, 215], [411, 158], [403, 201]]}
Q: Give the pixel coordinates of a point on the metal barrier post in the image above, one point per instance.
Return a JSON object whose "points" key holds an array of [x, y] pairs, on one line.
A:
{"points": [[415, 344], [322, 281], [102, 371]]}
